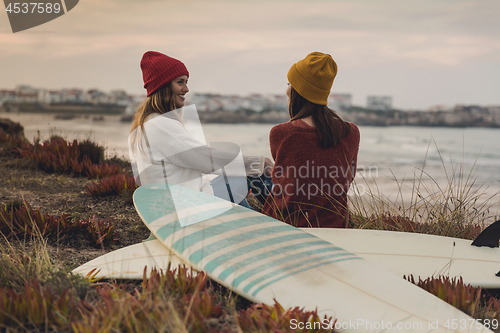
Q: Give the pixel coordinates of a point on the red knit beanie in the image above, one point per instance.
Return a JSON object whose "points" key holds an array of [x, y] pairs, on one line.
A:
{"points": [[159, 69]]}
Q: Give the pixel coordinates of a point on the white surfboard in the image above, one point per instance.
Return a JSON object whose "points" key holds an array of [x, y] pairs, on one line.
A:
{"points": [[131, 262], [420, 255], [263, 259], [399, 252]]}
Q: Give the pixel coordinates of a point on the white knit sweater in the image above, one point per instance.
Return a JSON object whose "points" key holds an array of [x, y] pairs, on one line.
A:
{"points": [[167, 153]]}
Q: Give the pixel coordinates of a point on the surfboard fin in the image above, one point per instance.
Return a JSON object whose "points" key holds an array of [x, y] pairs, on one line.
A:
{"points": [[489, 237]]}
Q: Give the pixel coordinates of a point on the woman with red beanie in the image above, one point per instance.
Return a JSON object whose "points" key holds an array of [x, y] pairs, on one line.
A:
{"points": [[315, 153], [161, 148]]}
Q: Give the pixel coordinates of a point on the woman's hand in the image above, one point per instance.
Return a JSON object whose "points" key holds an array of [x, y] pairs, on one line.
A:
{"points": [[268, 167]]}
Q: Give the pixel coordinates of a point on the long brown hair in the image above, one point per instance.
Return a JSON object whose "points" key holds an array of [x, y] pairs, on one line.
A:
{"points": [[330, 127], [160, 102]]}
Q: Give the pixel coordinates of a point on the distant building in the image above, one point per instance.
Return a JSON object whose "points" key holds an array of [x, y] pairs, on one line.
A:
{"points": [[338, 102], [96, 96], [72, 96], [231, 102], [278, 102], [383, 103], [114, 100], [26, 94], [26, 97], [201, 101], [495, 114], [7, 96], [119, 97], [257, 102], [207, 102], [49, 96], [25, 89], [439, 107]]}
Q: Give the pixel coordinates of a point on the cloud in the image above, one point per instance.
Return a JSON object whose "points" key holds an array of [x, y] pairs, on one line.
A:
{"points": [[383, 29], [261, 38]]}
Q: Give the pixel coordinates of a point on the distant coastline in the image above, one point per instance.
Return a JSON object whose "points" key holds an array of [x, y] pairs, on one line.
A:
{"points": [[64, 108], [459, 116]]}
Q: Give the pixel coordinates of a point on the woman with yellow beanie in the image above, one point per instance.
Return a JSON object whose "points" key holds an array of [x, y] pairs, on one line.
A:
{"points": [[315, 153]]}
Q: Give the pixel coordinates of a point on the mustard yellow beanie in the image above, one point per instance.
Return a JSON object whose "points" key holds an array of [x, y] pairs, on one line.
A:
{"points": [[312, 77]]}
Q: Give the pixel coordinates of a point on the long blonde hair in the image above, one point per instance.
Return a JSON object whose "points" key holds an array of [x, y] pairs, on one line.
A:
{"points": [[159, 102]]}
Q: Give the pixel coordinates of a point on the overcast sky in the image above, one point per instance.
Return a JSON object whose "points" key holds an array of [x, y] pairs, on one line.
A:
{"points": [[423, 52]]}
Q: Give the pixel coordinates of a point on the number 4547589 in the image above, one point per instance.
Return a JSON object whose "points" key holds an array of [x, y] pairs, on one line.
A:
{"points": [[464, 324], [33, 7]]}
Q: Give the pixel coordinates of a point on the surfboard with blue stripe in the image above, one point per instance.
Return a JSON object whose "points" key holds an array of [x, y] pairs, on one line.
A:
{"points": [[264, 259]]}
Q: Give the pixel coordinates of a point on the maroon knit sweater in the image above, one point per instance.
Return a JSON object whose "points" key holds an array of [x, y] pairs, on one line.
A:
{"points": [[311, 183]]}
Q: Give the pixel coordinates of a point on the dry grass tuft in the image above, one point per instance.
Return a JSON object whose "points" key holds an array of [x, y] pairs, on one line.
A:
{"points": [[461, 208]]}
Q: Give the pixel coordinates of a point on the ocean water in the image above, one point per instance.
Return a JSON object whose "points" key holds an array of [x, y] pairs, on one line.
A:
{"points": [[390, 158]]}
